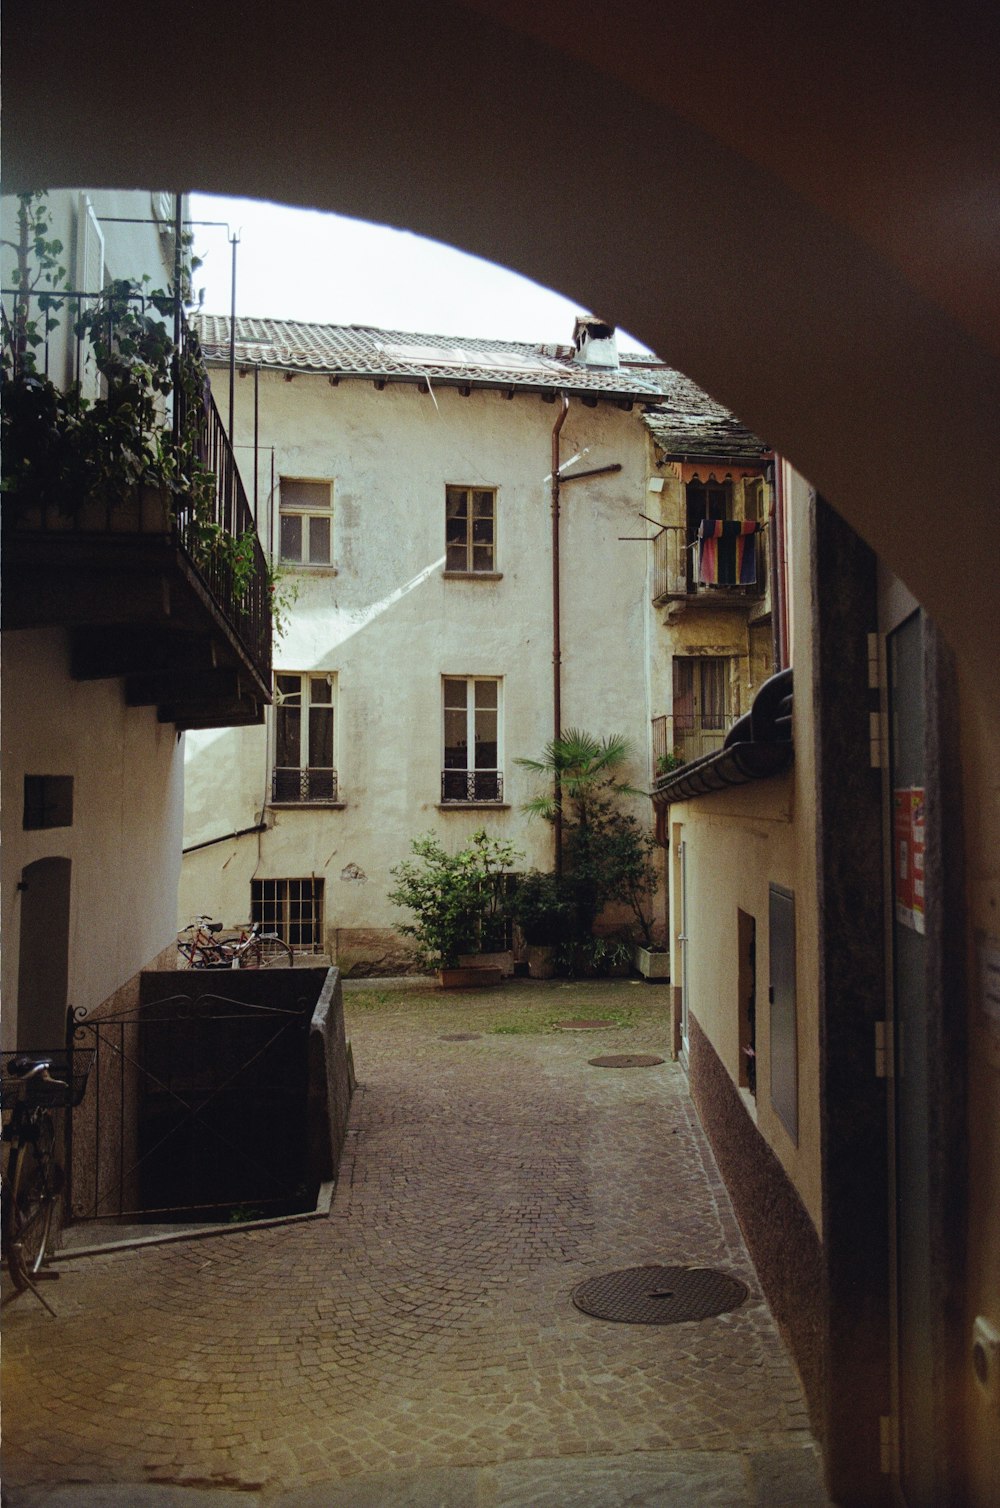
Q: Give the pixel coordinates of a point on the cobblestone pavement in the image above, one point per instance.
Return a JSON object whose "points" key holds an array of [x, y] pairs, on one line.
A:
{"points": [[420, 1346]]}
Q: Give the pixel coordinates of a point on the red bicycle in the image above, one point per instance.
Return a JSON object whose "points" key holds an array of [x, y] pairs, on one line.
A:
{"points": [[200, 945]]}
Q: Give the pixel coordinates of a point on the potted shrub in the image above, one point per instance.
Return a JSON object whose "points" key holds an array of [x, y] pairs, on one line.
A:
{"points": [[607, 853], [456, 900], [543, 909]]}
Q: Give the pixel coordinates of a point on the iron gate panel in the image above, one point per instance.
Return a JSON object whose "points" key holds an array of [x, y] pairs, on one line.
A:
{"points": [[197, 1107]]}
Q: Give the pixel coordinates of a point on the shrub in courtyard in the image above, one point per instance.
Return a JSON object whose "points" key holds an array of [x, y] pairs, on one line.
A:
{"points": [[606, 853], [458, 900]]}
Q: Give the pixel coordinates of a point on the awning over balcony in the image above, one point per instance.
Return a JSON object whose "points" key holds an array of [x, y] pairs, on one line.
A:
{"points": [[758, 746]]}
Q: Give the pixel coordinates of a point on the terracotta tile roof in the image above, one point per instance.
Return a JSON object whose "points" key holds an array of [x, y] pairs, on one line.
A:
{"points": [[401, 355], [681, 418]]}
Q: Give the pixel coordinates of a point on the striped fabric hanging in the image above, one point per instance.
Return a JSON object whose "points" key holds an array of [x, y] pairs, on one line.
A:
{"points": [[727, 551]]}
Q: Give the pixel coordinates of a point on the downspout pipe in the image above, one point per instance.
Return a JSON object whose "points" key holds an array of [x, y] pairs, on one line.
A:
{"points": [[241, 832], [556, 637], [780, 581], [234, 239]]}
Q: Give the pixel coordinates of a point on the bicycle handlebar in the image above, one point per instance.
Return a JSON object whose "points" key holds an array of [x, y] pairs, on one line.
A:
{"points": [[34, 1068]]}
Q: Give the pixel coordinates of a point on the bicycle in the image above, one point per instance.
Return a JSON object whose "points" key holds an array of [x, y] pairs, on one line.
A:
{"points": [[34, 1179], [255, 949], [252, 949]]}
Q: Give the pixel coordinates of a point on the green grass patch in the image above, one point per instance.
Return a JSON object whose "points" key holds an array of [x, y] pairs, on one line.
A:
{"points": [[368, 1000], [528, 1023]]}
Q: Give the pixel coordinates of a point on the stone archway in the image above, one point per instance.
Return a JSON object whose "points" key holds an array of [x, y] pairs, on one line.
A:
{"points": [[556, 154]]}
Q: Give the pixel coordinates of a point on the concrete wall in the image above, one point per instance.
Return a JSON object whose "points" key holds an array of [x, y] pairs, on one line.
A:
{"points": [[386, 622], [124, 842], [129, 251], [738, 843]]}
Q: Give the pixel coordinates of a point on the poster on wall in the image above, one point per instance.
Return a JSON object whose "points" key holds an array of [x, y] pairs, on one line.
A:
{"points": [[908, 867]]}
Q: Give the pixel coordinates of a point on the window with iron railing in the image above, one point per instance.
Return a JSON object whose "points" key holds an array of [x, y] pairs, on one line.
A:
{"points": [[715, 555], [304, 766], [703, 712], [472, 764]]}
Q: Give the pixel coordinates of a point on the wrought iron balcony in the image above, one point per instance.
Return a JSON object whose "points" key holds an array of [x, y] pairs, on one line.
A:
{"points": [[679, 739], [676, 573], [471, 785], [156, 569], [303, 786]]}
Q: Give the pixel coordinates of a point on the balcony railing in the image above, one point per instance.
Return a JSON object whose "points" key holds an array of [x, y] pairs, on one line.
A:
{"points": [[677, 739], [235, 577], [303, 785], [471, 785], [246, 602], [675, 570]]}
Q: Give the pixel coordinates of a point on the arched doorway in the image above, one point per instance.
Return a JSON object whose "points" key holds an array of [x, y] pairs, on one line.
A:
{"points": [[43, 957]]}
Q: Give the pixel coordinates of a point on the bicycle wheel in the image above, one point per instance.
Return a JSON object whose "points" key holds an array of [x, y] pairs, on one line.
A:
{"points": [[267, 952], [30, 1193]]}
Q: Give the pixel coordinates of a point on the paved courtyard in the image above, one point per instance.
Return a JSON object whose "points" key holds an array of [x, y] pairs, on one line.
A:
{"points": [[420, 1346]]}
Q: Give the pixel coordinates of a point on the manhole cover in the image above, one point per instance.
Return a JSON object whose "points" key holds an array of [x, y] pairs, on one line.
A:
{"points": [[460, 1037], [660, 1295], [626, 1060], [582, 1026]]}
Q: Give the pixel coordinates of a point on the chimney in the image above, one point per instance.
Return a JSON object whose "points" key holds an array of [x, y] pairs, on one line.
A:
{"points": [[595, 342]]}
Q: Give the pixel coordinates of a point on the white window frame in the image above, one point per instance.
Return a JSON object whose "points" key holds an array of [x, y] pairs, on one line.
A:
{"points": [[304, 784], [469, 568], [473, 786], [307, 513]]}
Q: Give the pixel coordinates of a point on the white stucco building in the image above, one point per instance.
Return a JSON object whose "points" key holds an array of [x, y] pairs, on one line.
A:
{"points": [[405, 484]]}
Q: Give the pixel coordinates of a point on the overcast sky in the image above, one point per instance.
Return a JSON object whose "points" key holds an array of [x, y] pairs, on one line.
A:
{"points": [[300, 264]]}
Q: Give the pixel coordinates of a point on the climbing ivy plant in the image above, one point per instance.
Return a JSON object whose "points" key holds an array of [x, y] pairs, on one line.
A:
{"points": [[64, 450]]}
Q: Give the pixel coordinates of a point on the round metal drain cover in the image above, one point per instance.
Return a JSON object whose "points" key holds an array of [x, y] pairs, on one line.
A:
{"points": [[660, 1295], [582, 1026], [626, 1060], [461, 1037]]}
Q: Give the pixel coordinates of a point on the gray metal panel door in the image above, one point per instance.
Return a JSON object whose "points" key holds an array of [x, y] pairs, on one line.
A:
{"points": [[915, 1359], [784, 1028]]}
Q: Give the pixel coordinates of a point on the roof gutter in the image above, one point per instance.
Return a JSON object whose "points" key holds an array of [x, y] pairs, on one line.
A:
{"points": [[549, 390]]}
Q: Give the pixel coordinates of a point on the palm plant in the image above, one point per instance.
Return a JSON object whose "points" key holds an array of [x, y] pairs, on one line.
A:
{"points": [[583, 770], [606, 853]]}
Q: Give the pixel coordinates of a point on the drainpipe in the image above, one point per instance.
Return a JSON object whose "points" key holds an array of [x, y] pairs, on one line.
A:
{"points": [[780, 606], [256, 437], [556, 642], [234, 239], [178, 311]]}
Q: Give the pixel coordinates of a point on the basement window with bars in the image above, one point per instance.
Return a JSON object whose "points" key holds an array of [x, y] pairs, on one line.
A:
{"points": [[291, 908], [306, 522]]}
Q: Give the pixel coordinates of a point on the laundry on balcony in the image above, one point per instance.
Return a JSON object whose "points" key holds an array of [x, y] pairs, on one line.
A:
{"points": [[727, 551]]}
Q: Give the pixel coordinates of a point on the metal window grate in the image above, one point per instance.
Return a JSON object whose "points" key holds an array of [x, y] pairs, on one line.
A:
{"points": [[471, 785], [293, 908], [295, 785]]}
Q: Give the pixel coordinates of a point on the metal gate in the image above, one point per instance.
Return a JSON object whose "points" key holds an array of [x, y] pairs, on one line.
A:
{"points": [[196, 1109]]}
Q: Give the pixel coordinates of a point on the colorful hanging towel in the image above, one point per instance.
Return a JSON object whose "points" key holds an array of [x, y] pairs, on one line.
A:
{"points": [[727, 551]]}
